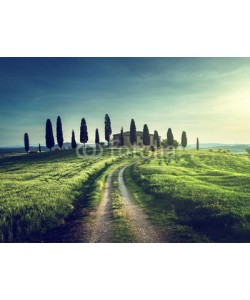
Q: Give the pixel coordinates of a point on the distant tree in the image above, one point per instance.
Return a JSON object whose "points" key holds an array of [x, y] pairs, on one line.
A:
{"points": [[156, 139], [73, 140], [97, 138], [170, 137], [50, 142], [107, 129], [176, 144], [184, 139], [145, 135], [197, 145], [165, 144], [26, 143], [83, 132], [121, 138], [248, 150], [39, 148], [132, 132], [59, 132]]}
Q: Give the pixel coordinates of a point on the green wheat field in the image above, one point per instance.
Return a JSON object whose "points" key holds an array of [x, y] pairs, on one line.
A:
{"points": [[194, 197]]}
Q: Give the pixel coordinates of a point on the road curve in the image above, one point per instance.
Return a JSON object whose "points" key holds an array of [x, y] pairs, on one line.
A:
{"points": [[101, 229]]}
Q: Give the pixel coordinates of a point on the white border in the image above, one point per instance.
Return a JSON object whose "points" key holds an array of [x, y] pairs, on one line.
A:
{"points": [[124, 28]]}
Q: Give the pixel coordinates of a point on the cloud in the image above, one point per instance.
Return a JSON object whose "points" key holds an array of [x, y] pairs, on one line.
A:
{"points": [[206, 96]]}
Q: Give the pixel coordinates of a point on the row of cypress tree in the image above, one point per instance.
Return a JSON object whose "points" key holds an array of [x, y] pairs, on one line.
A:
{"points": [[50, 142], [83, 133], [145, 135], [172, 142], [156, 138], [49, 136]]}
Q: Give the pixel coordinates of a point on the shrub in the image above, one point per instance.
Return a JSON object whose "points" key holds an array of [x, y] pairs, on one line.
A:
{"points": [[248, 150]]}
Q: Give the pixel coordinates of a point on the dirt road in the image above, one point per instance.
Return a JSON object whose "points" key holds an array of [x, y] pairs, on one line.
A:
{"points": [[102, 230], [142, 229], [99, 227]]}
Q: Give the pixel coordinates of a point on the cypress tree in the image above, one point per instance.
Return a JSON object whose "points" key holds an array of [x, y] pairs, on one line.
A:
{"points": [[156, 139], [26, 143], [146, 136], [83, 132], [59, 132], [50, 142], [184, 139], [39, 148], [107, 129], [197, 145], [73, 140], [97, 138], [121, 137], [132, 132], [170, 137]]}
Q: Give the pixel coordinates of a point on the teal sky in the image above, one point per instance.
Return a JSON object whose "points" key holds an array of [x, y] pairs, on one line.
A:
{"points": [[209, 98]]}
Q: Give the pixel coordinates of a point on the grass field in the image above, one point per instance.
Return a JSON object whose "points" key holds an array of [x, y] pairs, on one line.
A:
{"points": [[38, 191], [196, 197]]}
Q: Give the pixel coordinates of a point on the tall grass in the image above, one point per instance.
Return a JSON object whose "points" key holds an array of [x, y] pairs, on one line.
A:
{"points": [[37, 191], [208, 192]]}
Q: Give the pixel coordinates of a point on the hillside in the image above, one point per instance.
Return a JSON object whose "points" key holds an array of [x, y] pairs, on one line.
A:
{"points": [[198, 196], [237, 148]]}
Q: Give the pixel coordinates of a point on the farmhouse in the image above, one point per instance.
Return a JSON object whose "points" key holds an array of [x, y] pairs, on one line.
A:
{"points": [[139, 141]]}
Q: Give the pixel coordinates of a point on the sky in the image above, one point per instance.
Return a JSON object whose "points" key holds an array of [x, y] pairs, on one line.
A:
{"points": [[208, 98]]}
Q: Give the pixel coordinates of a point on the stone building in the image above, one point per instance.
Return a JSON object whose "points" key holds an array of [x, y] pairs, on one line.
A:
{"points": [[139, 142]]}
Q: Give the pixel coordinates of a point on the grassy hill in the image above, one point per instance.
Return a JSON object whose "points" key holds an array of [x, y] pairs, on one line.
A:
{"points": [[198, 196], [38, 191], [194, 197]]}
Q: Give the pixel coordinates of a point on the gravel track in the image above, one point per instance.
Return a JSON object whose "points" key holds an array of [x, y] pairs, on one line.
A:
{"points": [[143, 229], [102, 229], [99, 229]]}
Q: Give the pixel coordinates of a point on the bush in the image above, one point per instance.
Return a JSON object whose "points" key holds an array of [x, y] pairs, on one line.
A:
{"points": [[152, 148], [248, 150], [145, 151]]}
